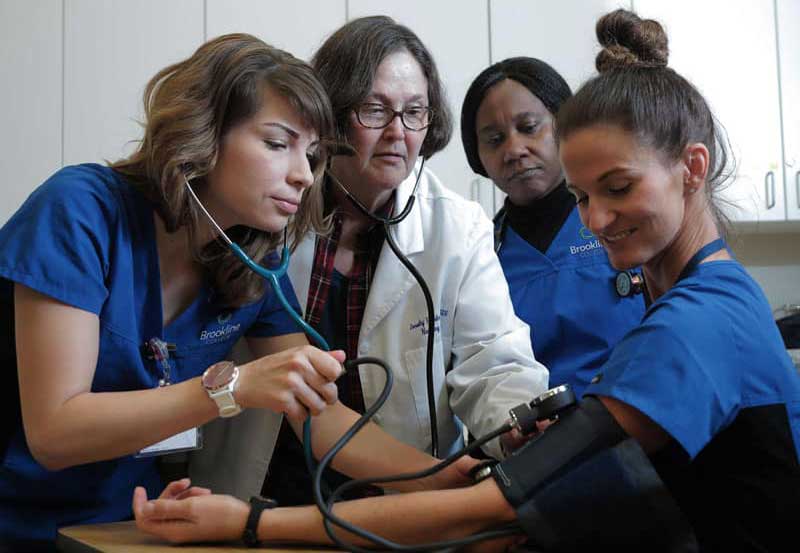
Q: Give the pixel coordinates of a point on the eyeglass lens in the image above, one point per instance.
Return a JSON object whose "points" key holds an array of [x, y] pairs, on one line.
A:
{"points": [[377, 116]]}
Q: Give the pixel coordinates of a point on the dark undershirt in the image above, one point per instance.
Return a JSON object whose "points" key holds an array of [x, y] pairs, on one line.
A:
{"points": [[334, 321], [539, 222]]}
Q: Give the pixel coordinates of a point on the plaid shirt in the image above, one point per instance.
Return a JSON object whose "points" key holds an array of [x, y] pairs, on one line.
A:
{"points": [[365, 258]]}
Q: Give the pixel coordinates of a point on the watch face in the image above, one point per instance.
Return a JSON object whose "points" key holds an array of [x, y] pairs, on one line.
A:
{"points": [[623, 284], [218, 375]]}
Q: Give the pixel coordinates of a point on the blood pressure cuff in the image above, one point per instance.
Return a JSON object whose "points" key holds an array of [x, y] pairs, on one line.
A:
{"points": [[584, 483]]}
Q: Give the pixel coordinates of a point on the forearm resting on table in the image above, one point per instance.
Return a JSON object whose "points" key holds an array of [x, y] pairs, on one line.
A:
{"points": [[407, 518]]}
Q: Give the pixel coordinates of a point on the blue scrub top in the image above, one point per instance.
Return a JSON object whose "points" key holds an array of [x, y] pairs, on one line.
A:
{"points": [[567, 297], [708, 365], [86, 238]]}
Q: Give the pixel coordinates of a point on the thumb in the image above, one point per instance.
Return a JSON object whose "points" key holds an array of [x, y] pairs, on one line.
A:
{"points": [[339, 355], [139, 500]]}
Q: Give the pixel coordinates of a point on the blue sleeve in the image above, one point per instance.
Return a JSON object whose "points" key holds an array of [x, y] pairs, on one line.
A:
{"points": [[273, 320], [672, 369], [57, 243]]}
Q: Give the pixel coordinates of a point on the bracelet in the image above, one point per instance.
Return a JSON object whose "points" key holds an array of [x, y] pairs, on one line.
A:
{"points": [[257, 506]]}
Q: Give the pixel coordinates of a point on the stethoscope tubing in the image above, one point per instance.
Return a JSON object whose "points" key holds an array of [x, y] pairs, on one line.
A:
{"points": [[272, 276], [387, 223]]}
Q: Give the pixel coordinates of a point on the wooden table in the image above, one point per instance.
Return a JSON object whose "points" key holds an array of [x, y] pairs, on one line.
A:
{"points": [[125, 537]]}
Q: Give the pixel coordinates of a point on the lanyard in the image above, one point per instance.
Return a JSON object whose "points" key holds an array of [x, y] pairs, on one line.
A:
{"points": [[158, 350], [702, 253]]}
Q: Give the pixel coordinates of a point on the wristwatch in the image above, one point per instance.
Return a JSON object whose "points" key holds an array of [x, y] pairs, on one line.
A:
{"points": [[219, 381], [257, 506]]}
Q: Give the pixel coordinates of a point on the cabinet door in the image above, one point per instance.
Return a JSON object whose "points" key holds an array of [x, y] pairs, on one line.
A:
{"points": [[111, 49], [298, 27], [726, 48], [457, 34], [559, 33], [788, 18], [31, 96]]}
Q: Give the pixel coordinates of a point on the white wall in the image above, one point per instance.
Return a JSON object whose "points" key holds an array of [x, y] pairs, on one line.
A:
{"points": [[31, 99], [73, 72], [774, 261]]}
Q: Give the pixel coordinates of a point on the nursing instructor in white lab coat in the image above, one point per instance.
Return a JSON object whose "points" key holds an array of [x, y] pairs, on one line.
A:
{"points": [[390, 110]]}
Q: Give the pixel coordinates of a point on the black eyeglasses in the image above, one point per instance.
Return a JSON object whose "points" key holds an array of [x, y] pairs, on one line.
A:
{"points": [[378, 116]]}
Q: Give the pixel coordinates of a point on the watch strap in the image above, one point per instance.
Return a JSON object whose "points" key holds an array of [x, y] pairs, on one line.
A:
{"points": [[257, 506], [225, 401]]}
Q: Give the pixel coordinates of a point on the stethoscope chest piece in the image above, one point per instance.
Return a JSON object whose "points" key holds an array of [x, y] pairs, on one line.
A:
{"points": [[628, 283]]}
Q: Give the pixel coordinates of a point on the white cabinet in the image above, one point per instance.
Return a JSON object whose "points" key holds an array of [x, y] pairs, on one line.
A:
{"points": [[727, 49], [111, 49], [30, 98], [559, 33], [78, 69], [457, 34], [298, 27], [788, 20]]}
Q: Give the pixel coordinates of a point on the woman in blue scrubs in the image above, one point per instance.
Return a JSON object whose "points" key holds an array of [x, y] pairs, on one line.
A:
{"points": [[700, 400], [120, 296], [115, 295], [560, 280]]}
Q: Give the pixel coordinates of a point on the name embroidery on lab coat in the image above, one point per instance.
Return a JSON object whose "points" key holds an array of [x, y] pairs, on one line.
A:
{"points": [[422, 324]]}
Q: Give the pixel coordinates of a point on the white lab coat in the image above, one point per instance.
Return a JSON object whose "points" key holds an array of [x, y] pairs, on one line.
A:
{"points": [[483, 361], [481, 346]]}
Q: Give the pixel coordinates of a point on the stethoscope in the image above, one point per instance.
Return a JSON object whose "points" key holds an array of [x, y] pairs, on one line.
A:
{"points": [[388, 222], [548, 406], [629, 283], [272, 276]]}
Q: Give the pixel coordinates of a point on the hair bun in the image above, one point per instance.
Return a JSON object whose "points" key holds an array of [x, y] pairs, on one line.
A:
{"points": [[630, 41]]}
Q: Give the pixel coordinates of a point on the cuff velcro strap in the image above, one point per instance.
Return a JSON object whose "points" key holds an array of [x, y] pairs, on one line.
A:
{"points": [[257, 506], [613, 501]]}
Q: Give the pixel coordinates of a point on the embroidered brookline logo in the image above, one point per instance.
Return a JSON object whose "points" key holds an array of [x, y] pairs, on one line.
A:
{"points": [[219, 334], [224, 318], [586, 234]]}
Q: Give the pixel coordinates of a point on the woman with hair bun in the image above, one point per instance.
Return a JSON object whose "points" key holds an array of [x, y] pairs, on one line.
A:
{"points": [[688, 437]]}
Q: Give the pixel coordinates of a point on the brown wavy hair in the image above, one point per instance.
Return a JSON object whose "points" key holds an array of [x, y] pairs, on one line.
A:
{"points": [[188, 108]]}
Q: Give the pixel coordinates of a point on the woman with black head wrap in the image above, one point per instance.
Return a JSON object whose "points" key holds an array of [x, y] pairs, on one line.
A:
{"points": [[560, 280]]}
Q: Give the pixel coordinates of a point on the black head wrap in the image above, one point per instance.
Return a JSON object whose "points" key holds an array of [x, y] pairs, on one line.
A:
{"points": [[543, 81]]}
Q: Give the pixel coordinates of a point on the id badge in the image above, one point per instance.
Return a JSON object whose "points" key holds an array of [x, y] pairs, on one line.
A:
{"points": [[183, 441]]}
